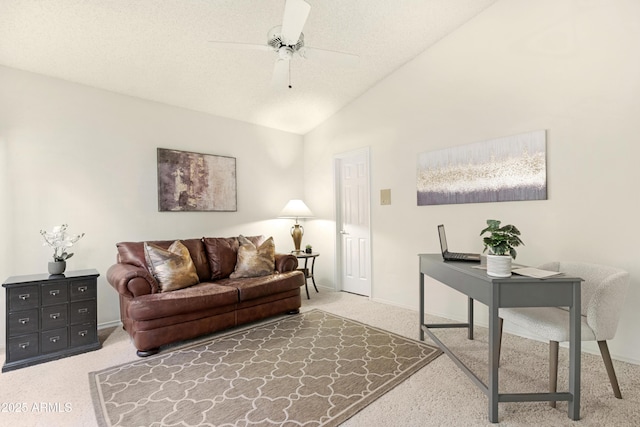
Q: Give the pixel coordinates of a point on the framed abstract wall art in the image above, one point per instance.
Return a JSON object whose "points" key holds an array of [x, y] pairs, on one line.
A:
{"points": [[196, 182], [498, 170]]}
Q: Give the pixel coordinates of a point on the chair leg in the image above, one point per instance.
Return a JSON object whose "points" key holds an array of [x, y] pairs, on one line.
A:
{"points": [[500, 323], [604, 351], [553, 369]]}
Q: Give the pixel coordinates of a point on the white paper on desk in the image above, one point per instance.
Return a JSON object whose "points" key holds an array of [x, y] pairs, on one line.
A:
{"points": [[535, 272]]}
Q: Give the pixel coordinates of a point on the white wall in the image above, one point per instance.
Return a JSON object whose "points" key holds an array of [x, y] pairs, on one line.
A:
{"points": [[86, 157], [73, 154], [568, 66]]}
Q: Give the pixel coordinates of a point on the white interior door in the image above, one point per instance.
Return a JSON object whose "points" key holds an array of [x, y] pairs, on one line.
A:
{"points": [[353, 222]]}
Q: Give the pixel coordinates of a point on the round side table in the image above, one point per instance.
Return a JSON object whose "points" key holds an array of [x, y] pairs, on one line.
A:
{"points": [[308, 273]]}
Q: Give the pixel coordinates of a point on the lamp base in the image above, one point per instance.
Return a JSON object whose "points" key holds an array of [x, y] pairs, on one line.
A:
{"points": [[297, 232]]}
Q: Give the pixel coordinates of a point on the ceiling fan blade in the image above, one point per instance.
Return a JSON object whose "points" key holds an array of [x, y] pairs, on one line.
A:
{"points": [[280, 78], [295, 16], [234, 45], [338, 58]]}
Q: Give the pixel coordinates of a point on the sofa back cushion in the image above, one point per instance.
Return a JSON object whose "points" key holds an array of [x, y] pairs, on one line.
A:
{"points": [[222, 253], [133, 253]]}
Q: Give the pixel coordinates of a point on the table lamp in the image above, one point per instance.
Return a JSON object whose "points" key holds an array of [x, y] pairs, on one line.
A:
{"points": [[296, 209]]}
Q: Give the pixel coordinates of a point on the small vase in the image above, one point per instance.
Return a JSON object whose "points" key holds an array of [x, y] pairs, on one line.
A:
{"points": [[57, 267], [499, 265]]}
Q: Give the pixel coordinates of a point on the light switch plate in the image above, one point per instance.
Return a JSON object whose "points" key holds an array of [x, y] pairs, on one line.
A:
{"points": [[385, 196]]}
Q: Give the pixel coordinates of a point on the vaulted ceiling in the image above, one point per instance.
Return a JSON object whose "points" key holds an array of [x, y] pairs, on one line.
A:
{"points": [[160, 50]]}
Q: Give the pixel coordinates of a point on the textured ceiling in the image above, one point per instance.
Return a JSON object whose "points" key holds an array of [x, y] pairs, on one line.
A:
{"points": [[159, 50]]}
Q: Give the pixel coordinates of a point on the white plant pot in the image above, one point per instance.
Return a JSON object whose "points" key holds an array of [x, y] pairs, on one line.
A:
{"points": [[499, 265]]}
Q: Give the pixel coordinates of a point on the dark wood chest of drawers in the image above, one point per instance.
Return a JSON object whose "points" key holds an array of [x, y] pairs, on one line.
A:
{"points": [[50, 317]]}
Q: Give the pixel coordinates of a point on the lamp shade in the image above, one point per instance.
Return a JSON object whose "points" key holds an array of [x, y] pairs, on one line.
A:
{"points": [[295, 209]]}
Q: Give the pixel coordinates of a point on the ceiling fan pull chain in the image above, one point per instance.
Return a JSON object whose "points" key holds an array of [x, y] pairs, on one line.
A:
{"points": [[289, 74]]}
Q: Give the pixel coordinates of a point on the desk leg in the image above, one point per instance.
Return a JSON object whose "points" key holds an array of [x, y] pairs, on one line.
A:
{"points": [[421, 306], [470, 318], [494, 342], [575, 343]]}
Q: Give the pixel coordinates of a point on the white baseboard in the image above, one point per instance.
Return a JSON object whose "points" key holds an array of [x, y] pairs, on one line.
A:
{"points": [[111, 324]]}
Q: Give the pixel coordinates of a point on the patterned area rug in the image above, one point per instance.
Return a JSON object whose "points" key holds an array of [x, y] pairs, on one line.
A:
{"points": [[311, 369]]}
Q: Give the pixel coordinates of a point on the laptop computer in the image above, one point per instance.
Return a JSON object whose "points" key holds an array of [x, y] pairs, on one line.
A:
{"points": [[454, 256]]}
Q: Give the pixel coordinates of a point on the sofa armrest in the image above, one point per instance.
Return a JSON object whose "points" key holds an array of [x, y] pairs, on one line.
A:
{"points": [[131, 281], [286, 262]]}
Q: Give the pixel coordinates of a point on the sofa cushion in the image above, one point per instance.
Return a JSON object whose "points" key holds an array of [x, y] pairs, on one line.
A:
{"points": [[257, 287], [172, 268], [199, 257], [203, 296], [133, 253], [254, 260], [222, 253]]}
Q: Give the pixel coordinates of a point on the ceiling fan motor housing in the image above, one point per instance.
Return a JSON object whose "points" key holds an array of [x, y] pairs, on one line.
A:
{"points": [[275, 41]]}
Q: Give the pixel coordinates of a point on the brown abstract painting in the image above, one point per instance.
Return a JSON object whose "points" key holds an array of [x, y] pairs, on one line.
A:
{"points": [[196, 182]]}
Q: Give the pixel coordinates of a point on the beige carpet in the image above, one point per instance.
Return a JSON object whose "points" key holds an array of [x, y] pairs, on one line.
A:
{"points": [[437, 395], [311, 369]]}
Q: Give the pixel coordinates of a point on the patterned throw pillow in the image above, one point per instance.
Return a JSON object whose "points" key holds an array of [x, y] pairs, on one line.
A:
{"points": [[254, 261], [173, 268]]}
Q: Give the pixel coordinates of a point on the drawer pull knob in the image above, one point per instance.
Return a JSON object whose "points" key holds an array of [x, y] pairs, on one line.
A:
{"points": [[54, 339], [83, 333], [83, 310], [54, 316], [24, 297], [23, 345], [82, 289], [24, 321], [54, 292]]}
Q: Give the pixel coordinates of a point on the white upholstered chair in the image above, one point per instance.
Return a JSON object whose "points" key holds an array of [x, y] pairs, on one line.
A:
{"points": [[603, 292]]}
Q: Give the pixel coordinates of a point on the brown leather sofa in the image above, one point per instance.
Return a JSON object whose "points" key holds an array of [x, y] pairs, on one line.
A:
{"points": [[155, 318]]}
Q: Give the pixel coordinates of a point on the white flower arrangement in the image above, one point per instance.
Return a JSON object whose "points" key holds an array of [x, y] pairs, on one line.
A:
{"points": [[60, 241]]}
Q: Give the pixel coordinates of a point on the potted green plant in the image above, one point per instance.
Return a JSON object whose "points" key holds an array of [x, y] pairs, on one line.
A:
{"points": [[308, 249], [501, 243], [59, 241]]}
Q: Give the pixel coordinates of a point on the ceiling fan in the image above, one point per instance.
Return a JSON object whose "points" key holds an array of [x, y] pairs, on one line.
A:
{"points": [[287, 40]]}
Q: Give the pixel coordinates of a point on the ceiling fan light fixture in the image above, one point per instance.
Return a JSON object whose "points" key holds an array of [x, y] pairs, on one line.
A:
{"points": [[285, 52]]}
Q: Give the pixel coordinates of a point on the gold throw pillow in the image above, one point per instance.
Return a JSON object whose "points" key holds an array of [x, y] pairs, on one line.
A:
{"points": [[173, 268], [252, 261]]}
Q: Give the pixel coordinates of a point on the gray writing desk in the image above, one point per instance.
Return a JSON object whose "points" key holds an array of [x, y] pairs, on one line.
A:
{"points": [[515, 291]]}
